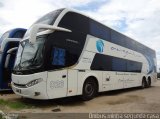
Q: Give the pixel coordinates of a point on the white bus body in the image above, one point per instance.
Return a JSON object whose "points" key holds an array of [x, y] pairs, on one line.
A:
{"points": [[122, 68]]}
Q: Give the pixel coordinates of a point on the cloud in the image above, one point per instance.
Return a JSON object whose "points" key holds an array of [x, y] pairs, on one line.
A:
{"points": [[22, 13], [1, 4], [4, 22], [70, 2], [92, 5]]}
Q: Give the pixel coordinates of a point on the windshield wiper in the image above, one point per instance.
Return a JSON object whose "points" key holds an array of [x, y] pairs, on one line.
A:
{"points": [[33, 59], [21, 43]]}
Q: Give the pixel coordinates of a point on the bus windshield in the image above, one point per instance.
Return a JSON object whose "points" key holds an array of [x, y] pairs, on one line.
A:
{"points": [[54, 51], [29, 55]]}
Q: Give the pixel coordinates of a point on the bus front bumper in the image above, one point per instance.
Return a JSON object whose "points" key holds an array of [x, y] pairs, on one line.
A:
{"points": [[37, 91]]}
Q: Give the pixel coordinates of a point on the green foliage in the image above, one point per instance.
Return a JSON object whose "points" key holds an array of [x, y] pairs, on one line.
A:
{"points": [[13, 105], [1, 116]]}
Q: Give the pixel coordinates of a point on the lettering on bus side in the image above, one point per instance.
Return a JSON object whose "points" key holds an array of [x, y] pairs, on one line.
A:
{"points": [[86, 60], [126, 52]]}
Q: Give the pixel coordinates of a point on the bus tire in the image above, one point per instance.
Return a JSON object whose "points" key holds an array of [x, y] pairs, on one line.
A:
{"points": [[144, 83], [149, 82], [90, 89]]}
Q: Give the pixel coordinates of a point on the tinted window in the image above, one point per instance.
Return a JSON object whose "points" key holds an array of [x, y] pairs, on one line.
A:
{"points": [[19, 34], [75, 21], [129, 43], [133, 66], [64, 48], [119, 64], [58, 56], [49, 18], [109, 63], [102, 62], [62, 57], [118, 38], [99, 30]]}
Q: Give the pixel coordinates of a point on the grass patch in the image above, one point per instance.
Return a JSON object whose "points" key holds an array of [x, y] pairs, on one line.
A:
{"points": [[14, 105], [0, 116]]}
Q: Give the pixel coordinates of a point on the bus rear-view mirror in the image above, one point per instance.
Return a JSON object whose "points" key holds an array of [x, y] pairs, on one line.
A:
{"points": [[10, 52], [34, 31]]}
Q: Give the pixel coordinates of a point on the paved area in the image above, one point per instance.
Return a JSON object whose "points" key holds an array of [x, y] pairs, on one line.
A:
{"points": [[133, 100]]}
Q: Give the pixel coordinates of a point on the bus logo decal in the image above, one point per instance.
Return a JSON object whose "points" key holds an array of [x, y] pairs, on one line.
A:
{"points": [[99, 46]]}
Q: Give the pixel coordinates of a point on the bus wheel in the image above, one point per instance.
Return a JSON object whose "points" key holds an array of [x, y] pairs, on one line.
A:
{"points": [[144, 83], [90, 89], [149, 82]]}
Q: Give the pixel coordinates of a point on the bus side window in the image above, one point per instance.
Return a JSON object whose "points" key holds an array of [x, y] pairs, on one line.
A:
{"points": [[58, 56]]}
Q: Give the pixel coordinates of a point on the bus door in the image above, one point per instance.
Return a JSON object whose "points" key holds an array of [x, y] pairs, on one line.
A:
{"points": [[58, 76], [57, 84]]}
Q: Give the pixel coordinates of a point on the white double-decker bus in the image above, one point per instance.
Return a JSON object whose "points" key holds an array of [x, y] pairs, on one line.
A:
{"points": [[66, 53]]}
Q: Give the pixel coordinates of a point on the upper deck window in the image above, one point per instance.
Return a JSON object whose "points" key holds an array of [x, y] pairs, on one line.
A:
{"points": [[49, 18], [83, 24]]}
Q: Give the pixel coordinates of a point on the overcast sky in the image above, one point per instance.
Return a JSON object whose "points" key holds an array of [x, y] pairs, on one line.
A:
{"points": [[138, 19]]}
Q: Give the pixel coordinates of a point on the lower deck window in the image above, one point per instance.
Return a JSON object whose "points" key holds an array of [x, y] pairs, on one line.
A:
{"points": [[110, 63]]}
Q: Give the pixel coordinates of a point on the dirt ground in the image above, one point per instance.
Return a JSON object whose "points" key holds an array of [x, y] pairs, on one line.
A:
{"points": [[133, 100]]}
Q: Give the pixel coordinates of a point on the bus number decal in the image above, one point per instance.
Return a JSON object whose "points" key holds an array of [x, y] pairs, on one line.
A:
{"points": [[56, 84]]}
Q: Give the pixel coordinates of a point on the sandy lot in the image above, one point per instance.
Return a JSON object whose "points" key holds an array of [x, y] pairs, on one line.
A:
{"points": [[133, 100]]}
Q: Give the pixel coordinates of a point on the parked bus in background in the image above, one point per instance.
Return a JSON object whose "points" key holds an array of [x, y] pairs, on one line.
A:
{"points": [[8, 47], [66, 53]]}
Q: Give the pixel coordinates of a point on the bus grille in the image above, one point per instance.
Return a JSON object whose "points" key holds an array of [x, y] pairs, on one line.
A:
{"points": [[20, 85]]}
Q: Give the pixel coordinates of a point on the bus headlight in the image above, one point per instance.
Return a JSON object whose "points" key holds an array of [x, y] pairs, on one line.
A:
{"points": [[34, 82]]}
